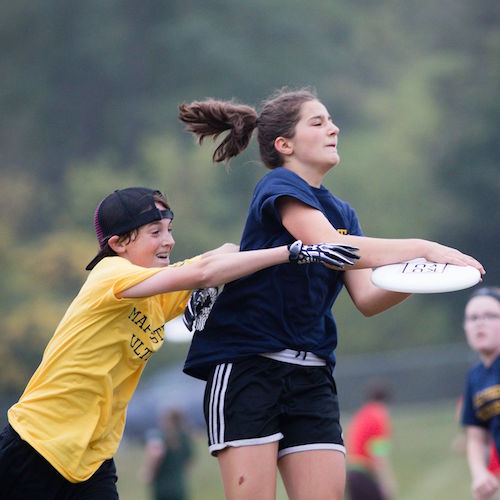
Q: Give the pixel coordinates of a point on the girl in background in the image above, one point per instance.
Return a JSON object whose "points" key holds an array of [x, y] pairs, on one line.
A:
{"points": [[481, 407]]}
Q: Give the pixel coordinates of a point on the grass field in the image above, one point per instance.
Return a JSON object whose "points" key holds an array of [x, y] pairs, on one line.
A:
{"points": [[425, 466]]}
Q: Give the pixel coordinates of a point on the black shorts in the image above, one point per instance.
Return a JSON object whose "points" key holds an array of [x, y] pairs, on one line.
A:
{"points": [[26, 475], [261, 400]]}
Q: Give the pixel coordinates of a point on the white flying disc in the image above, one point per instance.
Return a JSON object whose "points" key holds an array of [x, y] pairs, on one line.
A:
{"points": [[422, 276]]}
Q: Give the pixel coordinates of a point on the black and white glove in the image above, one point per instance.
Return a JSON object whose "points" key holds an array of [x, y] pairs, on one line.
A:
{"points": [[326, 253], [198, 308]]}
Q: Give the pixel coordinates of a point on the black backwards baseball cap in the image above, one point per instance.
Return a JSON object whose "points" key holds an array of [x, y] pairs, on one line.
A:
{"points": [[121, 212]]}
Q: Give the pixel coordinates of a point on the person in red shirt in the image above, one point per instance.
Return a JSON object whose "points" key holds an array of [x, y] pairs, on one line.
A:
{"points": [[368, 441], [494, 460]]}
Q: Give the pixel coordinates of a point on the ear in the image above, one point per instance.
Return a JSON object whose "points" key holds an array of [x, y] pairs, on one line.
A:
{"points": [[283, 146], [116, 244]]}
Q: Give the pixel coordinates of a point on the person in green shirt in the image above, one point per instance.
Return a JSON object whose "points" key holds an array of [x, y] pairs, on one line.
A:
{"points": [[168, 452]]}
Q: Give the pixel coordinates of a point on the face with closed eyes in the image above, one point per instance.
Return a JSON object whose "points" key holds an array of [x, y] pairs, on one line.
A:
{"points": [[314, 143], [482, 326]]}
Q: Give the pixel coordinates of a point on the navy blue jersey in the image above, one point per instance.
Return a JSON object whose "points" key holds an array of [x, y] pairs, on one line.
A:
{"points": [[481, 405], [286, 306]]}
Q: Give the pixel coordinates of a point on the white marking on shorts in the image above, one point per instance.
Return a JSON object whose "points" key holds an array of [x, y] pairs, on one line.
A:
{"points": [[216, 425], [222, 421], [214, 448], [311, 447], [214, 403]]}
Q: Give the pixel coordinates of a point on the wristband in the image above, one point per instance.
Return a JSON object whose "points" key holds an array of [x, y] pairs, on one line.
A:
{"points": [[294, 251]]}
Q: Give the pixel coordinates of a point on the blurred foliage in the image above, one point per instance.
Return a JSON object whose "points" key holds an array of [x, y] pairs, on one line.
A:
{"points": [[89, 95]]}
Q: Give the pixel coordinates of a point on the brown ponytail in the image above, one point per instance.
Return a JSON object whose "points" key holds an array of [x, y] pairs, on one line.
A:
{"points": [[279, 117], [211, 118]]}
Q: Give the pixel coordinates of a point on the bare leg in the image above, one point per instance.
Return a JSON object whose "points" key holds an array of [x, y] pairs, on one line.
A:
{"points": [[249, 472], [318, 474]]}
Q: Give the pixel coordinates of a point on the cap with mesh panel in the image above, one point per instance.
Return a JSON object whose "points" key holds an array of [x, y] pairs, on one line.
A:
{"points": [[121, 212]]}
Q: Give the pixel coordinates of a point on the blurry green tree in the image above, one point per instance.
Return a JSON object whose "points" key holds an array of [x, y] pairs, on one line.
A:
{"points": [[88, 99]]}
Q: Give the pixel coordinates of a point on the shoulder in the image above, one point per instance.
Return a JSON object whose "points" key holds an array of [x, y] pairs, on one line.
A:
{"points": [[110, 266], [280, 176], [278, 183], [477, 375], [496, 364], [111, 269], [339, 211], [341, 204], [107, 271], [376, 410], [115, 274], [283, 182]]}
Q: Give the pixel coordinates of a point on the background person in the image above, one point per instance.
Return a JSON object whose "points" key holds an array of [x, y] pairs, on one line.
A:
{"points": [[168, 453], [481, 400], [267, 349], [459, 444], [370, 475]]}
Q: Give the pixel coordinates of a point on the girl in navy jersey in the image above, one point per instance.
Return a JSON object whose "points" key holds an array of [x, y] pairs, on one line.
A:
{"points": [[481, 411], [267, 348]]}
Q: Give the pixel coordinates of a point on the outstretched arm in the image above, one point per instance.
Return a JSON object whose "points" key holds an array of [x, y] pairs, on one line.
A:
{"points": [[218, 267], [212, 270], [225, 248], [309, 224]]}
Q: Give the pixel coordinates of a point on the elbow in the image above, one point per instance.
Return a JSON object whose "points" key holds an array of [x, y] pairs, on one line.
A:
{"points": [[372, 304], [207, 275], [373, 309], [368, 312], [368, 307]]}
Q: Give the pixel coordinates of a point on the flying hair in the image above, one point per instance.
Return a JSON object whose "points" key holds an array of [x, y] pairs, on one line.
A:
{"points": [[279, 117], [211, 118]]}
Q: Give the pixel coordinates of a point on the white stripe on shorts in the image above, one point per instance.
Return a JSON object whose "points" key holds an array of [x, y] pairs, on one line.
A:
{"points": [[214, 448], [310, 447], [216, 423]]}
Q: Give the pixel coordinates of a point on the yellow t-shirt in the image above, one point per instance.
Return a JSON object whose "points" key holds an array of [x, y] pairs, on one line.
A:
{"points": [[74, 407]]}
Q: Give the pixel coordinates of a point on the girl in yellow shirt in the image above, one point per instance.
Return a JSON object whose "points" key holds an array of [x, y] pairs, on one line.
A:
{"points": [[66, 427]]}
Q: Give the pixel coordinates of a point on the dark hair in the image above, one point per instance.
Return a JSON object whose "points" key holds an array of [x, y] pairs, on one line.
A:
{"points": [[279, 116], [378, 390], [486, 291]]}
